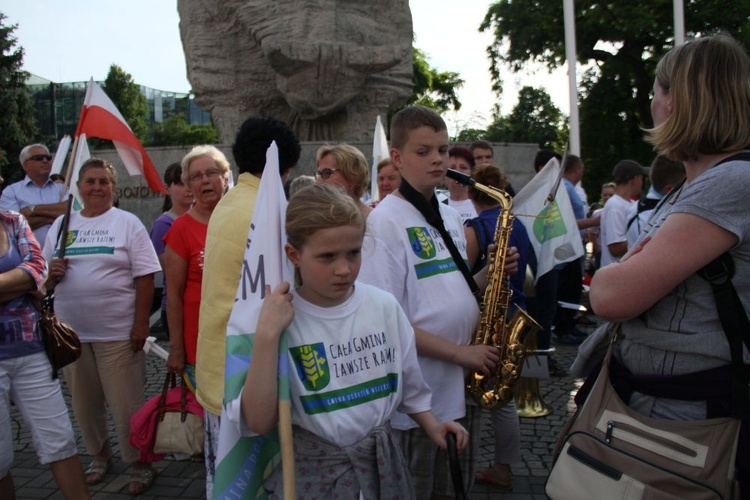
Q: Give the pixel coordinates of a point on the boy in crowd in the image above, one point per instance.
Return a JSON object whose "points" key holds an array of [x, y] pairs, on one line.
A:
{"points": [[628, 176], [410, 257], [484, 154]]}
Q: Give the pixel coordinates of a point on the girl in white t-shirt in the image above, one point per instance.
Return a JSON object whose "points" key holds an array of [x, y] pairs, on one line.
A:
{"points": [[351, 357]]}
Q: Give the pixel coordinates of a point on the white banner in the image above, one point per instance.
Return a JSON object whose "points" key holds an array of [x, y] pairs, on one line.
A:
{"points": [[551, 225]]}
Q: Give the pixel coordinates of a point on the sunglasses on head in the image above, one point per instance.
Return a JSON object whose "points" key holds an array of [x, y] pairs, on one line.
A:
{"points": [[325, 173], [40, 157]]}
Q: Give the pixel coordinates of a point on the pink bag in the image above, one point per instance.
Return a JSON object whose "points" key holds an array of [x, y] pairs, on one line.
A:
{"points": [[143, 423]]}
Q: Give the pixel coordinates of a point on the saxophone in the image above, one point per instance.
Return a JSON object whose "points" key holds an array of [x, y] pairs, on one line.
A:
{"points": [[496, 389]]}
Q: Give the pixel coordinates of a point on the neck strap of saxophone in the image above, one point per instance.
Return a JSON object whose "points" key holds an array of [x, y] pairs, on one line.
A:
{"points": [[430, 210]]}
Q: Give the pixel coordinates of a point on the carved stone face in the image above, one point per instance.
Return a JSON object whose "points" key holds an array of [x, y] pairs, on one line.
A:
{"points": [[319, 79], [323, 51], [326, 67]]}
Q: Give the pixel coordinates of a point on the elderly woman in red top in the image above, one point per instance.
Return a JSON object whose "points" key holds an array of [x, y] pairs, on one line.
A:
{"points": [[25, 372], [205, 172]]}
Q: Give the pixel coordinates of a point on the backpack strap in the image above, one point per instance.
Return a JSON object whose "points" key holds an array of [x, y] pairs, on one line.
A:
{"points": [[736, 327]]}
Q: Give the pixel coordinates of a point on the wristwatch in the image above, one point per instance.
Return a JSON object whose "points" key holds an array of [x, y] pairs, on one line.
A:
{"points": [[32, 207]]}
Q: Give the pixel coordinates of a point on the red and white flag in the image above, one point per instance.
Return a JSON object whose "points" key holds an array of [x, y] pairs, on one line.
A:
{"points": [[100, 118]]}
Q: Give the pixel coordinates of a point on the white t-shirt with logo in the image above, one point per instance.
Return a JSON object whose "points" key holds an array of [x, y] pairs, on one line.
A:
{"points": [[408, 258], [465, 208], [105, 253], [351, 366]]}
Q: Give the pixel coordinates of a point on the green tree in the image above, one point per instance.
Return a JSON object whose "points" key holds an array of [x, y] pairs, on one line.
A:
{"points": [[126, 96], [470, 135], [619, 43], [17, 127], [175, 131], [534, 119], [433, 88]]}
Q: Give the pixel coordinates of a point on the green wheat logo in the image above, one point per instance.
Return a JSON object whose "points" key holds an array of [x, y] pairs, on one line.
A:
{"points": [[312, 365], [421, 242]]}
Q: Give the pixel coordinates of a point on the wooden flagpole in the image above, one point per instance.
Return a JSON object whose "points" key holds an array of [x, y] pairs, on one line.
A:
{"points": [[287, 450]]}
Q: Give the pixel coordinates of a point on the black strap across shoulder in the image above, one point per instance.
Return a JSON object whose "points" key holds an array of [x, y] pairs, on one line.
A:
{"points": [[643, 205], [736, 327], [430, 210]]}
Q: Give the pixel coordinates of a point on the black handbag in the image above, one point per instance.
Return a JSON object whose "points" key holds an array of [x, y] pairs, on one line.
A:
{"points": [[60, 340]]}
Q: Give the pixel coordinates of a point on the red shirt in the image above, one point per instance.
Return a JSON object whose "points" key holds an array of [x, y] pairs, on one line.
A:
{"points": [[187, 238]]}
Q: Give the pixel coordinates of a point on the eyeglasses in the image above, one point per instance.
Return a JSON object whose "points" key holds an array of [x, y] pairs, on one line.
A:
{"points": [[40, 157], [209, 174], [325, 173]]}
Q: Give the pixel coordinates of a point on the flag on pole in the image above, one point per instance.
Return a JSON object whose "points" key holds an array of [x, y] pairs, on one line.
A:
{"points": [[60, 154], [243, 462], [380, 152], [80, 155], [551, 225], [100, 118]]}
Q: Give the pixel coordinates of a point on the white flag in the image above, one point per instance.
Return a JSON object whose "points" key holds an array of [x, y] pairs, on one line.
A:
{"points": [[552, 225], [60, 154], [380, 152], [81, 154], [243, 461]]}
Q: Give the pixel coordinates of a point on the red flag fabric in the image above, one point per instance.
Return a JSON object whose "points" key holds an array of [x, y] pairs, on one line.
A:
{"points": [[100, 118]]}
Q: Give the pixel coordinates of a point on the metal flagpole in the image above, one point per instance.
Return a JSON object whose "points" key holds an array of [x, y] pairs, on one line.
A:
{"points": [[570, 55]]}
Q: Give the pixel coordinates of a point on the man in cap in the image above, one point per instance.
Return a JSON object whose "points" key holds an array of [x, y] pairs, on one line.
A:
{"points": [[628, 176], [36, 196]]}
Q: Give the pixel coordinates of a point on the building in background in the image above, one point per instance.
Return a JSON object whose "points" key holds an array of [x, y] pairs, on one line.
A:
{"points": [[57, 106]]}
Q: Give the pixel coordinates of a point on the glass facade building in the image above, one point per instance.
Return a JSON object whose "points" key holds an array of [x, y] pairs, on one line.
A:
{"points": [[57, 106]]}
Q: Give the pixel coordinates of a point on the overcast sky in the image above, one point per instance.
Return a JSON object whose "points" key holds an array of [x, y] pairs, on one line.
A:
{"points": [[74, 40]]}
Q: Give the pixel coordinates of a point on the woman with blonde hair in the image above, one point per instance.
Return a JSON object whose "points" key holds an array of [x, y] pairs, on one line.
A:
{"points": [[670, 324], [344, 166]]}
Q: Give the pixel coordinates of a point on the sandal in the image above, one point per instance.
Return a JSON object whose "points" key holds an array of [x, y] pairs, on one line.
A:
{"points": [[97, 469], [492, 477], [141, 480]]}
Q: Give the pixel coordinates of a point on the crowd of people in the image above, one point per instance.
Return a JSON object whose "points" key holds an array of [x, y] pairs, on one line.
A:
{"points": [[393, 271]]}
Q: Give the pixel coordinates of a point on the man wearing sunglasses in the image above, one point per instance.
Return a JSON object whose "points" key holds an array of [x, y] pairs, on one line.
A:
{"points": [[36, 196]]}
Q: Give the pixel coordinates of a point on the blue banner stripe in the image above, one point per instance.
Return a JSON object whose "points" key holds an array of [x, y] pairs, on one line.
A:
{"points": [[350, 396], [236, 364], [434, 267]]}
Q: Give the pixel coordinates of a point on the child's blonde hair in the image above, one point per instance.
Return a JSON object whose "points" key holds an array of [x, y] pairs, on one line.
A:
{"points": [[316, 207]]}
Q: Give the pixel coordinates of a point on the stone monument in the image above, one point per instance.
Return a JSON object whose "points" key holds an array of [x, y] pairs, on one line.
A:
{"points": [[325, 67]]}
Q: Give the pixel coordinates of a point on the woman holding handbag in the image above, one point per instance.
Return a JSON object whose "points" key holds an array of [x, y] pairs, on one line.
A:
{"points": [[104, 288], [25, 373], [670, 321]]}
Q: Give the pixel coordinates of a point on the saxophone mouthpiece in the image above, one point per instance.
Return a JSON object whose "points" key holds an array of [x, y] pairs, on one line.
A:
{"points": [[460, 177]]}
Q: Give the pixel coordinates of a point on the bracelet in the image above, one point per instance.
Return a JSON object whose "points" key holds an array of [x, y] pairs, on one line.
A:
{"points": [[33, 208]]}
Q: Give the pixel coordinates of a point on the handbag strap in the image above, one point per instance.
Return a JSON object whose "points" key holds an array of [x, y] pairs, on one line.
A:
{"points": [[430, 210], [169, 380], [736, 327], [183, 400]]}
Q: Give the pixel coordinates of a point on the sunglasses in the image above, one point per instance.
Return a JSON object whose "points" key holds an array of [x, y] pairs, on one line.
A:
{"points": [[325, 173], [40, 157]]}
